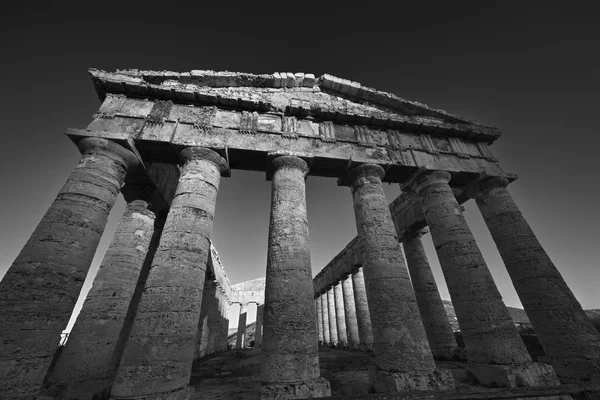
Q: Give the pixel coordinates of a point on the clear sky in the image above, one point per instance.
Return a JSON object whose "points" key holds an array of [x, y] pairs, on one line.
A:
{"points": [[530, 69]]}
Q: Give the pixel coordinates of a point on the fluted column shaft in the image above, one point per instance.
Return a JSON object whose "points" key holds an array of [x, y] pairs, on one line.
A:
{"points": [[350, 313], [400, 341], [290, 360], [39, 291], [340, 314], [437, 326], [564, 330], [260, 311], [363, 318], [159, 353], [240, 341], [333, 332], [325, 321], [88, 364], [319, 308]]}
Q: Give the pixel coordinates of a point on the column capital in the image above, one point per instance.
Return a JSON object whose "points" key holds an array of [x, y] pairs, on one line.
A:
{"points": [[277, 160], [487, 185], [412, 234], [93, 144], [364, 171], [202, 153], [426, 178]]}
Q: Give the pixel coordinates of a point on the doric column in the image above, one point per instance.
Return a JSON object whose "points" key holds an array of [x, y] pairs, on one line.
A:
{"points": [[214, 320], [325, 310], [437, 326], [202, 337], [240, 341], [159, 353], [319, 308], [350, 312], [290, 359], [224, 325], [340, 314], [86, 367], [567, 336], [363, 318], [260, 310], [495, 349], [39, 291], [333, 333], [403, 359]]}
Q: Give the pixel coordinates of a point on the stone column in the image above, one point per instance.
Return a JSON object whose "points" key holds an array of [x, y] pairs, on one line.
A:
{"points": [[350, 312], [224, 325], [333, 333], [340, 314], [564, 330], [86, 367], [437, 326], [159, 353], [290, 359], [214, 320], [39, 291], [202, 338], [319, 308], [495, 349], [363, 318], [260, 308], [403, 359], [325, 310], [241, 330]]}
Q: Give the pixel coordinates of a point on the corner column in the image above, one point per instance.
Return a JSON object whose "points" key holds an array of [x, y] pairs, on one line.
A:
{"points": [[158, 356], [437, 326], [496, 353], [39, 291], [240, 342], [325, 310], [564, 330], [290, 359], [260, 311], [403, 359], [333, 333], [350, 312], [363, 318], [86, 367], [340, 314]]}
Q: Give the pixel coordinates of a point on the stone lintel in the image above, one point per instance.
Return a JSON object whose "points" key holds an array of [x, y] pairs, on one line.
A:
{"points": [[319, 387]]}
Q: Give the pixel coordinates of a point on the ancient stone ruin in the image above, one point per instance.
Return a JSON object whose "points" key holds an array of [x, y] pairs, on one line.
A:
{"points": [[160, 300]]}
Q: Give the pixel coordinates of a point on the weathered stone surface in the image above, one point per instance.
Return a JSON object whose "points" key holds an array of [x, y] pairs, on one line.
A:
{"points": [[325, 309], [333, 333], [400, 342], [39, 291], [290, 363], [86, 366], [363, 318], [214, 320], [476, 299], [258, 329], [340, 315], [208, 294], [564, 330], [240, 342], [438, 329], [350, 312], [158, 356]]}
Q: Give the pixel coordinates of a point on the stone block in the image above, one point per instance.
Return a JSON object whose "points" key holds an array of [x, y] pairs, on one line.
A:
{"points": [[309, 80], [296, 390], [386, 382], [494, 375]]}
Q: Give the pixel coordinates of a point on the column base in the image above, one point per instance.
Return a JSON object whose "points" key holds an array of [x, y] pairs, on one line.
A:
{"points": [[581, 369], [296, 390], [389, 382], [185, 393], [534, 374]]}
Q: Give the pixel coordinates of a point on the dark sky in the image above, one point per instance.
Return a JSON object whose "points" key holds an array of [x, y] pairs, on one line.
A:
{"points": [[530, 69]]}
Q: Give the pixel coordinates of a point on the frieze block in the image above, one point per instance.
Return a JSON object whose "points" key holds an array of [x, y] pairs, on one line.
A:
{"points": [[327, 131], [289, 127], [160, 112], [364, 136], [428, 144], [249, 123]]}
